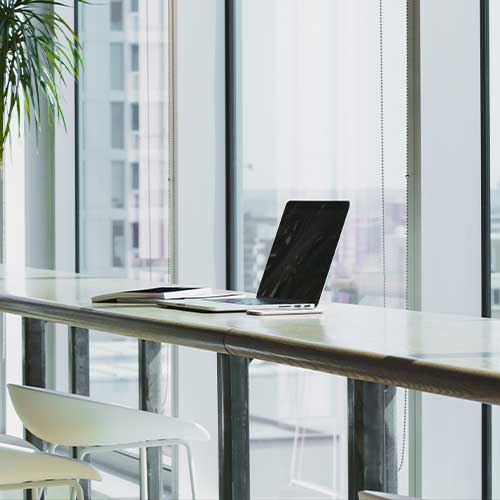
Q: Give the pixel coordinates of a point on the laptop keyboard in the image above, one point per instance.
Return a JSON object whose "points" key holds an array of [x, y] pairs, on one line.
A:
{"points": [[251, 301]]}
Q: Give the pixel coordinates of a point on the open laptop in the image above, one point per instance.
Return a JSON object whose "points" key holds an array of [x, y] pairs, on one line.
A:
{"points": [[297, 266]]}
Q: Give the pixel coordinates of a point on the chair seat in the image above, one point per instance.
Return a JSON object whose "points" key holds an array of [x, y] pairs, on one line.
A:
{"points": [[70, 420], [20, 465]]}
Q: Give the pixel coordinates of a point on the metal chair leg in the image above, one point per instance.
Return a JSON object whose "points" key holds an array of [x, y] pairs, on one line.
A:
{"points": [[51, 448], [191, 467], [78, 491]]}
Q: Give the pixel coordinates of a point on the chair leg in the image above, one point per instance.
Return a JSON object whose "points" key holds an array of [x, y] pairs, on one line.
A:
{"points": [[38, 493], [143, 460], [77, 490], [191, 468]]}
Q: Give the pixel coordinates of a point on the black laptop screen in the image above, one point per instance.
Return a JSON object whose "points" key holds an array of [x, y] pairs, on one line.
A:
{"points": [[303, 250]]}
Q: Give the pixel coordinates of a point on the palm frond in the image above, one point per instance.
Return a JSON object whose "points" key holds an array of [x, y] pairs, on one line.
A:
{"points": [[38, 50]]}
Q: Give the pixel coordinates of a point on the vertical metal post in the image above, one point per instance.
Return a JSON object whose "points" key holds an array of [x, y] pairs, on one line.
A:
{"points": [[34, 362], [76, 28], [372, 457], [414, 230], [172, 141], [34, 373], [79, 371], [79, 377], [230, 141], [234, 448], [413, 172], [151, 398], [486, 452], [486, 416]]}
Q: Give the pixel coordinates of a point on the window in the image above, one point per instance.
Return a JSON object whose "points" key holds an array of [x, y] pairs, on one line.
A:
{"points": [[117, 125], [496, 297], [117, 184], [110, 134], [298, 139], [118, 243], [134, 57], [134, 113], [116, 66], [134, 168], [311, 126], [135, 235], [116, 7], [112, 212]]}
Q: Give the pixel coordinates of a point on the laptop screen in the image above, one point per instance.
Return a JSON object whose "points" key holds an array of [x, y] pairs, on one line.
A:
{"points": [[303, 250]]}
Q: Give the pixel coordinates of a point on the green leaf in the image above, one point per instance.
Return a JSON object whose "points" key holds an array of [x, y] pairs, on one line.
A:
{"points": [[38, 50]]}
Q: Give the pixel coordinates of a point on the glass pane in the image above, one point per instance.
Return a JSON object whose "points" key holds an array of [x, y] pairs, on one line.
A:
{"points": [[134, 116], [118, 184], [125, 127], [117, 125], [116, 7], [134, 57], [320, 115], [118, 243], [124, 190], [117, 67], [134, 167]]}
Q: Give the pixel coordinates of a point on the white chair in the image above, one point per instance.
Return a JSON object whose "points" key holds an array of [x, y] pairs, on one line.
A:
{"points": [[309, 423], [376, 495], [23, 467], [95, 427]]}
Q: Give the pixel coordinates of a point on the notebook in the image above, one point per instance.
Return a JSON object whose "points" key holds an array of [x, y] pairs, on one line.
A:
{"points": [[161, 293]]}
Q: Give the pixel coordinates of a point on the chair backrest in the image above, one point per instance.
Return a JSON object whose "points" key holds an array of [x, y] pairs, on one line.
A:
{"points": [[70, 420]]}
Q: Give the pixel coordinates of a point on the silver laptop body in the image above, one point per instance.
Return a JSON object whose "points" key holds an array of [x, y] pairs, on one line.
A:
{"points": [[297, 266]]}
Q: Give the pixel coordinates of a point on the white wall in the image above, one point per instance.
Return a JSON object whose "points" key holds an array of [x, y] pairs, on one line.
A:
{"points": [[451, 251], [201, 209]]}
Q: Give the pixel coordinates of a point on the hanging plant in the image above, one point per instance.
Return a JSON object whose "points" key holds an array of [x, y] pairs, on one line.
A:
{"points": [[38, 50]]}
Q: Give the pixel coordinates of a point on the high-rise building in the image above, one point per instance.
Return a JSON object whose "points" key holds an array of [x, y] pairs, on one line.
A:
{"points": [[124, 139]]}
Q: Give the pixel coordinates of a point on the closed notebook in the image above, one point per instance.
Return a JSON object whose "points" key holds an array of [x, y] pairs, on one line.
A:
{"points": [[159, 293]]}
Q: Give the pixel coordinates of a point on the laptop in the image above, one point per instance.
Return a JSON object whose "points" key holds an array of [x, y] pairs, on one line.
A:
{"points": [[298, 265]]}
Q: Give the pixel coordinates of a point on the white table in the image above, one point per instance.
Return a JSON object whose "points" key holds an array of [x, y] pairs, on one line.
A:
{"points": [[451, 355]]}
